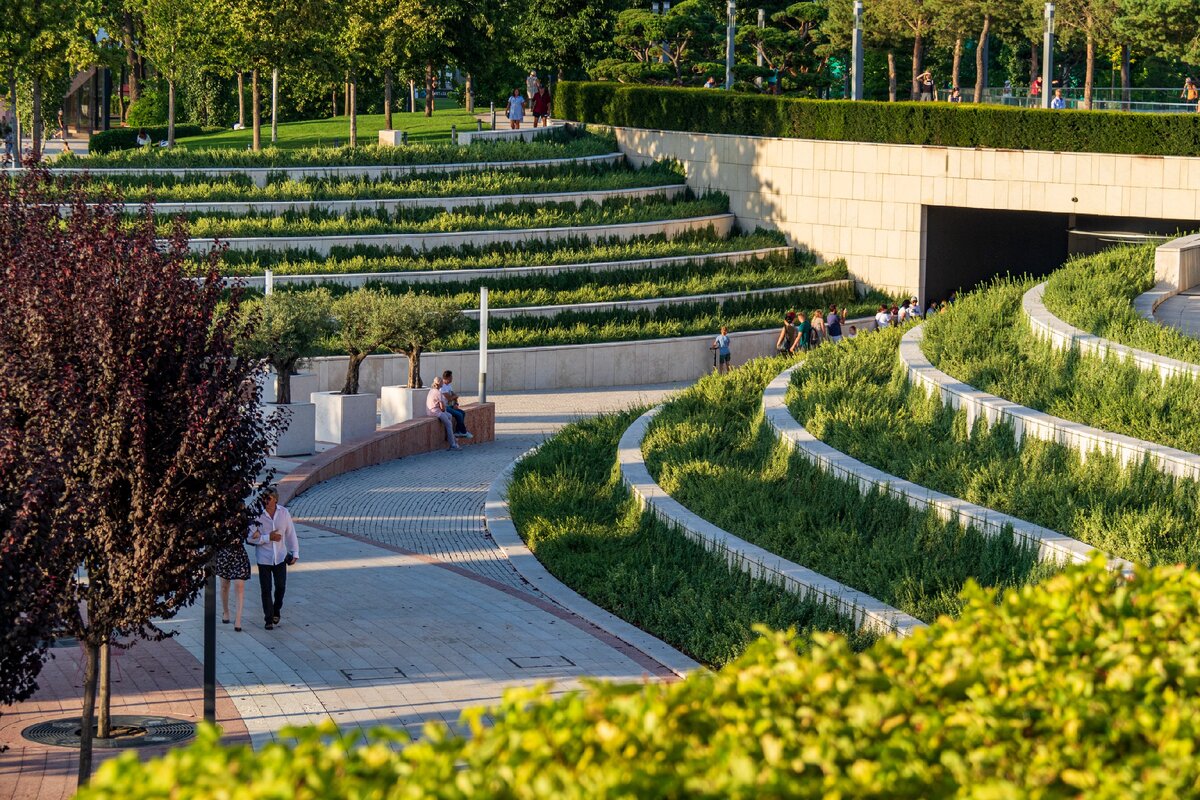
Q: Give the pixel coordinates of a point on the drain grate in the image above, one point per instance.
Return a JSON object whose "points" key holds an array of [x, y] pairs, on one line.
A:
{"points": [[540, 662], [128, 731], [372, 674]]}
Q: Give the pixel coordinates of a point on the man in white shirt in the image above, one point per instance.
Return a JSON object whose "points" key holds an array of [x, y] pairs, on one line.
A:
{"points": [[883, 318], [914, 309], [450, 401], [275, 547]]}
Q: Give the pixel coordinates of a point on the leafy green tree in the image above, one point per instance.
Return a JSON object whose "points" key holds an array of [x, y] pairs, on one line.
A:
{"points": [[284, 329], [909, 21], [1093, 22], [566, 37], [367, 320], [1168, 28], [419, 320], [178, 37], [789, 40]]}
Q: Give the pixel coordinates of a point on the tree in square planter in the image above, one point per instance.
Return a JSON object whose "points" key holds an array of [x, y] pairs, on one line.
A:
{"points": [[421, 320], [284, 329]]}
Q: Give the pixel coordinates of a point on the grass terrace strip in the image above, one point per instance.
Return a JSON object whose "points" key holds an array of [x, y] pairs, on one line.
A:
{"points": [[711, 449], [569, 505], [561, 143], [169, 188], [1096, 293], [857, 399], [533, 253], [985, 341], [508, 216]]}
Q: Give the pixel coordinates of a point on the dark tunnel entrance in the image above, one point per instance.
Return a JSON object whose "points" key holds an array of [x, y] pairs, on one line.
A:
{"points": [[965, 247]]}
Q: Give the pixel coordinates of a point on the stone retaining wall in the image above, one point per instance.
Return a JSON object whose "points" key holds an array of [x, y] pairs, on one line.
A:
{"points": [[866, 611]]}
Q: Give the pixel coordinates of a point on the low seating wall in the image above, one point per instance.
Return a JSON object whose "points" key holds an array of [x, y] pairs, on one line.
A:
{"points": [[424, 435], [866, 611], [1029, 422], [722, 224], [1051, 545]]}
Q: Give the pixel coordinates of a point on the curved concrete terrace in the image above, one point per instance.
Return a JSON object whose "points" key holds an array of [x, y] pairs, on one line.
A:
{"points": [[866, 611], [1030, 422], [722, 224], [1051, 545]]}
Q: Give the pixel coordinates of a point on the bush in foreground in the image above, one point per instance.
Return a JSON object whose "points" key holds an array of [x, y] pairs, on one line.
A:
{"points": [[1079, 687]]}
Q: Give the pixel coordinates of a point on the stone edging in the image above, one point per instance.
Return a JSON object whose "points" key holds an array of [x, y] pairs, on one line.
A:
{"points": [[1062, 335], [1146, 303], [721, 223], [500, 525], [461, 275], [1040, 425], [1051, 545], [656, 302], [669, 191], [866, 611]]}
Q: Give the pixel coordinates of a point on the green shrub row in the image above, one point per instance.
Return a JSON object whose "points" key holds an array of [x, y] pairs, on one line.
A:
{"points": [[986, 342], [434, 219], [571, 508], [1096, 294], [712, 451], [1083, 686], [531, 253], [856, 398], [559, 143], [116, 139], [171, 188], [941, 124]]}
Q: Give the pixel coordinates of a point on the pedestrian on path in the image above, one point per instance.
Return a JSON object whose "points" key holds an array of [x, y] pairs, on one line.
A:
{"points": [[276, 547], [233, 567], [541, 107], [532, 84], [721, 345], [833, 324], [787, 337], [804, 334], [1058, 103], [450, 401], [516, 109], [926, 86], [435, 406]]}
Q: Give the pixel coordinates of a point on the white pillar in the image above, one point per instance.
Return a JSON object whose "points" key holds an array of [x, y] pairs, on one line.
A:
{"points": [[730, 29], [483, 343], [268, 282], [1048, 56], [856, 73], [274, 104], [762, 23]]}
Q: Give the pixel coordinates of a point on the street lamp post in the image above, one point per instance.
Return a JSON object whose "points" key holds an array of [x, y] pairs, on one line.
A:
{"points": [[1048, 56], [483, 343], [730, 29], [762, 23], [856, 71]]}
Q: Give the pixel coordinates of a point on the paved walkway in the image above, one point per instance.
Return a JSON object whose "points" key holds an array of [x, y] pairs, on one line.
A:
{"points": [[401, 610], [1182, 312]]}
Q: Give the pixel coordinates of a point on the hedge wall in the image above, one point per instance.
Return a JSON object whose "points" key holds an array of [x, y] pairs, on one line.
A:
{"points": [[713, 111], [1083, 686], [126, 138]]}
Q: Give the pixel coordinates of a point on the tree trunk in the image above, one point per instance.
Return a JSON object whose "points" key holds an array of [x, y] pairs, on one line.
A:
{"points": [[346, 94], [414, 368], [17, 133], [1035, 67], [429, 88], [131, 60], [122, 110], [891, 55], [916, 67], [1089, 78], [334, 115], [37, 117], [256, 109], [283, 383], [274, 104], [354, 113], [170, 113], [469, 94], [104, 709], [1126, 75], [241, 90], [956, 66], [387, 100], [87, 717], [353, 366], [981, 59]]}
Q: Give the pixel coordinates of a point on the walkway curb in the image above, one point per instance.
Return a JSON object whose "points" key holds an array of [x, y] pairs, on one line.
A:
{"points": [[499, 524]]}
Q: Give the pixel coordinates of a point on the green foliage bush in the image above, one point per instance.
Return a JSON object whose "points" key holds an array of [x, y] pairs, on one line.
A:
{"points": [[1083, 686], [942, 124], [126, 138], [856, 398], [986, 341], [1096, 294], [712, 451], [149, 110]]}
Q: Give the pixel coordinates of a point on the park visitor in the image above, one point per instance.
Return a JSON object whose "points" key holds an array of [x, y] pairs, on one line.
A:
{"points": [[903, 313], [450, 402], [541, 107], [516, 109], [1035, 88], [710, 83], [721, 345], [852, 332], [232, 566], [143, 138], [956, 95], [914, 308], [883, 318], [787, 337], [435, 406], [276, 548], [1190, 93], [1058, 102], [833, 324], [819, 334], [532, 83], [894, 316], [926, 86], [803, 333]]}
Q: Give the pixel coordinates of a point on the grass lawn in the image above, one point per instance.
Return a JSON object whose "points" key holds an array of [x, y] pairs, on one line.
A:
{"points": [[323, 132]]}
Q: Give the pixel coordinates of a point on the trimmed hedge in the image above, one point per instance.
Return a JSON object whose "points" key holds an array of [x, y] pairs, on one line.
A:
{"points": [[942, 124], [1080, 687], [126, 138]]}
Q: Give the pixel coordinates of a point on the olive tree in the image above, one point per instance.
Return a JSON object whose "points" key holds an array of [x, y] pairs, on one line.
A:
{"points": [[286, 329], [421, 320]]}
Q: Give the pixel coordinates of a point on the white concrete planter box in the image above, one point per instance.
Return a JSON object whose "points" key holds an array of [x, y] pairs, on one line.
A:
{"points": [[400, 404], [298, 439], [344, 417], [391, 138], [303, 385]]}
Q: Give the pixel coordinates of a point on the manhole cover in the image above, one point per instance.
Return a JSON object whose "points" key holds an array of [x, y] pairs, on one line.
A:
{"points": [[127, 731], [540, 662]]}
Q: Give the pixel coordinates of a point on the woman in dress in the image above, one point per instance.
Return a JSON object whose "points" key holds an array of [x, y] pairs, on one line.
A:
{"points": [[233, 567], [516, 109]]}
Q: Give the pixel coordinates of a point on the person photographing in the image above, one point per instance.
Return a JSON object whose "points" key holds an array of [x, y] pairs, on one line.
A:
{"points": [[276, 547]]}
